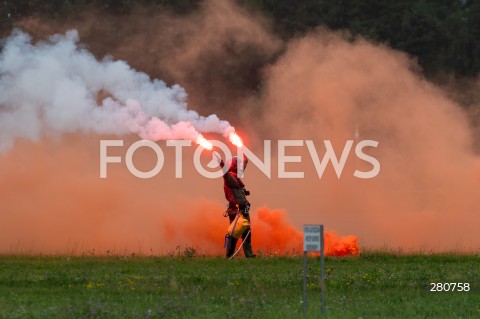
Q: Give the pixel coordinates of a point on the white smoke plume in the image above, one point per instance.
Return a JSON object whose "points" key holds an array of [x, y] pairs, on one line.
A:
{"points": [[56, 86]]}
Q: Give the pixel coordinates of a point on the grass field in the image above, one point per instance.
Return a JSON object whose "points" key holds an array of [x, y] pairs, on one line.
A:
{"points": [[373, 285]]}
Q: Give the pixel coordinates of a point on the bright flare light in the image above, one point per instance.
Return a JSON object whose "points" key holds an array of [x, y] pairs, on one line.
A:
{"points": [[202, 141], [235, 139]]}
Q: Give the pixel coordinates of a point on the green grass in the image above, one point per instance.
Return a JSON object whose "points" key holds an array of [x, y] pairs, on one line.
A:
{"points": [[374, 285]]}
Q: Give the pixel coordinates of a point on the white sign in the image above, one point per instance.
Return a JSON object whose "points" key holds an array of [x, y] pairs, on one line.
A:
{"points": [[312, 238]]}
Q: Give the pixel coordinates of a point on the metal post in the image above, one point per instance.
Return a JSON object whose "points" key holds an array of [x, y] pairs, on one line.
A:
{"points": [[305, 283], [313, 240], [322, 269]]}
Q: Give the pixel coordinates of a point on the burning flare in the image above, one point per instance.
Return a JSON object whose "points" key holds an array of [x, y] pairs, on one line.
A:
{"points": [[202, 141], [235, 139]]}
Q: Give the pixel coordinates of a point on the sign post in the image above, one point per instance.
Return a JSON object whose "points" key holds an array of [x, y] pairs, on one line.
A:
{"points": [[313, 240]]}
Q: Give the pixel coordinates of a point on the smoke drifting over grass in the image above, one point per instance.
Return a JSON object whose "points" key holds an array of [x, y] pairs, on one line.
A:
{"points": [[272, 233], [321, 86]]}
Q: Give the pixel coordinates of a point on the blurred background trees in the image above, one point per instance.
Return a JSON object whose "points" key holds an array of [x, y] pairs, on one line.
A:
{"points": [[444, 35]]}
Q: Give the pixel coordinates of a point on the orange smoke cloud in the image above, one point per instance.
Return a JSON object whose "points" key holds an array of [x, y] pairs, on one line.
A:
{"points": [[321, 86], [336, 245], [272, 233], [275, 233], [325, 87]]}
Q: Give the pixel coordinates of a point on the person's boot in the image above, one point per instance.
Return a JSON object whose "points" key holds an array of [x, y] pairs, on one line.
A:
{"points": [[247, 245]]}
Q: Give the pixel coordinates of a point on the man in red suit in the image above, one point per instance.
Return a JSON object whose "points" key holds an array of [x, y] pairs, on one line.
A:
{"points": [[235, 193]]}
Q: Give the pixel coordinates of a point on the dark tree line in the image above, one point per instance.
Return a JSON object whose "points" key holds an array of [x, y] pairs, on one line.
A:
{"points": [[22, 8], [444, 34]]}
